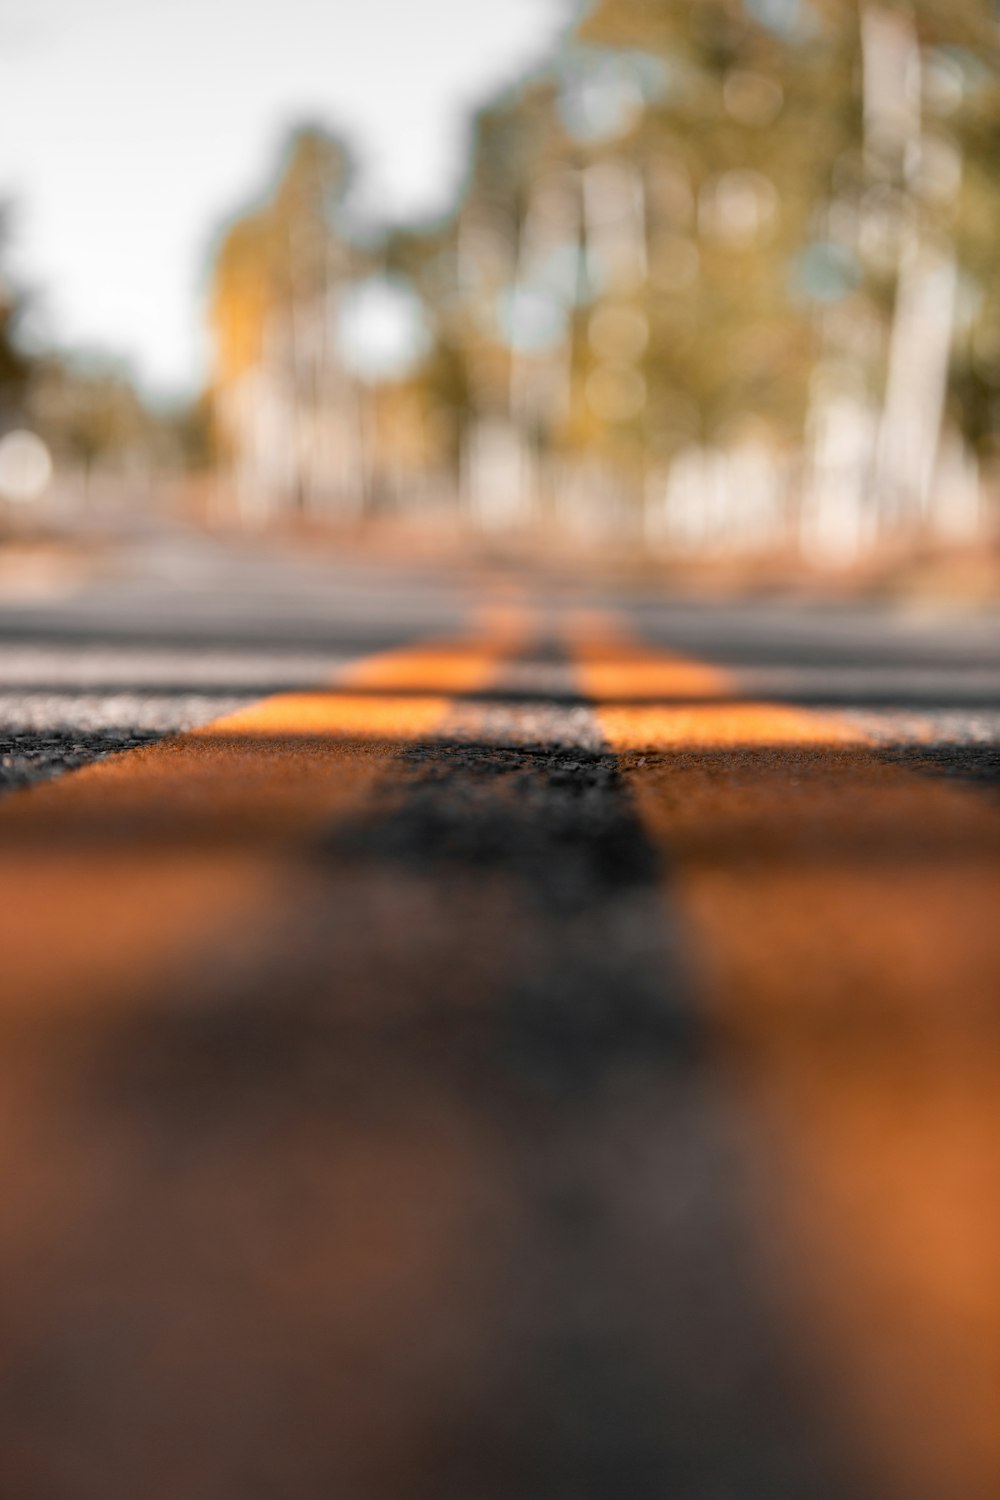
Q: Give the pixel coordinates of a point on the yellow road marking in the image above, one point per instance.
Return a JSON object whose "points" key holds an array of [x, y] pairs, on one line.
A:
{"points": [[621, 668], [842, 916], [106, 873]]}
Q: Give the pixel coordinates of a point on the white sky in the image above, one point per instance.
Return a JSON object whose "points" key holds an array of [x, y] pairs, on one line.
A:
{"points": [[130, 128]]}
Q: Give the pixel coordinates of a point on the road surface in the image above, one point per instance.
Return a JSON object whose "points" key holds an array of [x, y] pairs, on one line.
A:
{"points": [[467, 1035]]}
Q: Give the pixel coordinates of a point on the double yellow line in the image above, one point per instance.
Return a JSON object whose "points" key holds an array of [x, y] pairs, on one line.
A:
{"points": [[841, 917]]}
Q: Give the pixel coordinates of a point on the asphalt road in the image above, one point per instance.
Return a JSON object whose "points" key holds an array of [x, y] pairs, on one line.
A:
{"points": [[468, 1035]]}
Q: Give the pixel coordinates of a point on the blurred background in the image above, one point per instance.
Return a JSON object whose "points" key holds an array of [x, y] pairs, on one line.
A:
{"points": [[707, 285]]}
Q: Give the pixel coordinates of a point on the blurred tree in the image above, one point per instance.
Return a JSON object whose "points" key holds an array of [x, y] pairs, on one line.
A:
{"points": [[704, 226], [283, 254], [93, 417], [280, 398], [15, 366]]}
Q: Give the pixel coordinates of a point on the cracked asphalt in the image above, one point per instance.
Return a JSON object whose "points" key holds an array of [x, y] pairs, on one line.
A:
{"points": [[556, 1065]]}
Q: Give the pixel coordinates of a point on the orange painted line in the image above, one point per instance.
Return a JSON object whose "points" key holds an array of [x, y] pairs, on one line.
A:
{"points": [[110, 871], [718, 726], [619, 667], [842, 921]]}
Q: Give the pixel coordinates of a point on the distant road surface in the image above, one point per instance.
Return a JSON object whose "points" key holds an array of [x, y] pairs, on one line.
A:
{"points": [[472, 1035]]}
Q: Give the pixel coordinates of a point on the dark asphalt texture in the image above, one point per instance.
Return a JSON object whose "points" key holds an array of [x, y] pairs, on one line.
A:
{"points": [[435, 1183], [30, 756]]}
